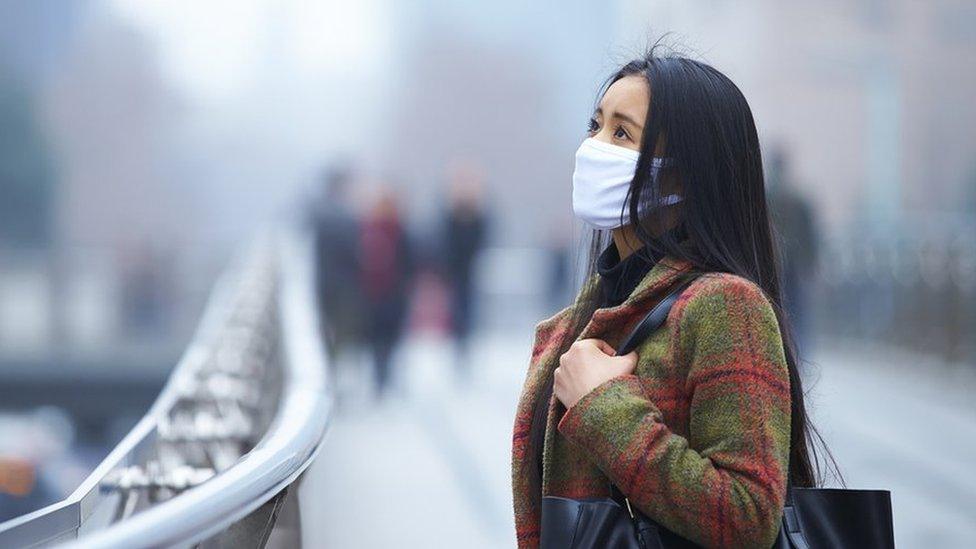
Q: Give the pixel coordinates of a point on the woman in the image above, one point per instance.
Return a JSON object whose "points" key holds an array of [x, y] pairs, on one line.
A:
{"points": [[386, 264], [702, 424]]}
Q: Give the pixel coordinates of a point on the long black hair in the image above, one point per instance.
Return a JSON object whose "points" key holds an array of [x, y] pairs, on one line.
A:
{"points": [[710, 134]]}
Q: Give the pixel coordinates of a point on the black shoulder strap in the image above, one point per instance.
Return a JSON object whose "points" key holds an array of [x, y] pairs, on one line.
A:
{"points": [[654, 319]]}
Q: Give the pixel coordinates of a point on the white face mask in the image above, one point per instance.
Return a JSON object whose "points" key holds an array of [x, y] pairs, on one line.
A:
{"points": [[601, 180]]}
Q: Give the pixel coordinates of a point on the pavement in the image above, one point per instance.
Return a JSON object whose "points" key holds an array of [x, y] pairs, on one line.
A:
{"points": [[429, 466]]}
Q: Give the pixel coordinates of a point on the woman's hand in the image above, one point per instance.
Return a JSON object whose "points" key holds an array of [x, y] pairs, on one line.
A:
{"points": [[586, 365]]}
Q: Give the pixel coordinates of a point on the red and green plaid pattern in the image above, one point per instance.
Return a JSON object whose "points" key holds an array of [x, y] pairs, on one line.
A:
{"points": [[698, 437]]}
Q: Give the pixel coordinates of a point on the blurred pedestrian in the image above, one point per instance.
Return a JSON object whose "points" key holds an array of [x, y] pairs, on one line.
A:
{"points": [[558, 289], [337, 272], [386, 275], [798, 239], [465, 227], [147, 292]]}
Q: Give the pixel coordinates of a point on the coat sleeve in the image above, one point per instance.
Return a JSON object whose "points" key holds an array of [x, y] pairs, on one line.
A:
{"points": [[724, 485]]}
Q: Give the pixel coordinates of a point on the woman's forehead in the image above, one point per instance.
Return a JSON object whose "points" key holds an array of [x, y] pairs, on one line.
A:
{"points": [[628, 96]]}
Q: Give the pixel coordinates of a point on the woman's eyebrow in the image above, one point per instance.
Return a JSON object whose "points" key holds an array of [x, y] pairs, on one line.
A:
{"points": [[621, 116], [626, 118]]}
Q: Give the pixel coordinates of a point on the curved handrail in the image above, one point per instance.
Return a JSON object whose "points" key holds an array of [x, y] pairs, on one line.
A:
{"points": [[288, 446]]}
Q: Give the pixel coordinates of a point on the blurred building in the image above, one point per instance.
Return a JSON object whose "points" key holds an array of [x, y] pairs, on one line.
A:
{"points": [[870, 96]]}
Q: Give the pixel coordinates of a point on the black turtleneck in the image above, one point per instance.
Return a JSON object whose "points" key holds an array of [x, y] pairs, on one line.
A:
{"points": [[620, 278]]}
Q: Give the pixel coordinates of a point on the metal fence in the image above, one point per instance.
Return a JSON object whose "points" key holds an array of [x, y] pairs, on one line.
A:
{"points": [[242, 416], [914, 292]]}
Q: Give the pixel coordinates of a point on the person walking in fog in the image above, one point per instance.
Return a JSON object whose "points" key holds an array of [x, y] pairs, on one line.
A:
{"points": [[386, 273], [465, 226], [701, 425], [335, 229], [558, 250], [795, 224]]}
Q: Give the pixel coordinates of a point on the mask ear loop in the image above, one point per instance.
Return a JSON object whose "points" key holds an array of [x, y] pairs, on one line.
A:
{"points": [[657, 164]]}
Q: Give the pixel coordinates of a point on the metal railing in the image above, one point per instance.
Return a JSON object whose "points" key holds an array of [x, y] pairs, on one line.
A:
{"points": [[914, 292], [241, 417]]}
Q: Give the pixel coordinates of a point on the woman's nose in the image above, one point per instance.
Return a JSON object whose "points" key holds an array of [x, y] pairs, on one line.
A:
{"points": [[604, 135]]}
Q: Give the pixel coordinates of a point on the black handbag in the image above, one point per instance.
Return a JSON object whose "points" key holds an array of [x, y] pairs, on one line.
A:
{"points": [[812, 517]]}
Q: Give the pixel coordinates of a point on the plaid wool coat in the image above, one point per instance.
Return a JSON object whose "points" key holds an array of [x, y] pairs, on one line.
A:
{"points": [[698, 437]]}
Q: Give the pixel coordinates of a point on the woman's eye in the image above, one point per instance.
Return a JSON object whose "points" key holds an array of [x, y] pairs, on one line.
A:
{"points": [[593, 126], [621, 133]]}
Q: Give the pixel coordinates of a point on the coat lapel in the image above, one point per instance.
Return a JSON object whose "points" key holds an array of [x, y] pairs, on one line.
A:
{"points": [[611, 324]]}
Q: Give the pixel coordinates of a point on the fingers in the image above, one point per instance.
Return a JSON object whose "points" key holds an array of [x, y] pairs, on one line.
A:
{"points": [[584, 347], [604, 346], [628, 362]]}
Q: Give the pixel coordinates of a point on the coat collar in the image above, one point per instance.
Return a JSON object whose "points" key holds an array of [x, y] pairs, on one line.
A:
{"points": [[612, 323]]}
